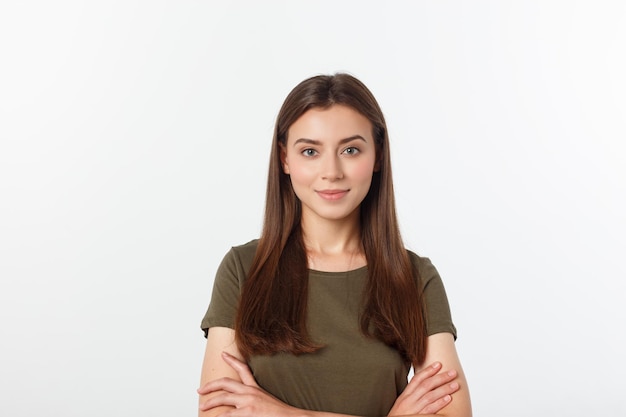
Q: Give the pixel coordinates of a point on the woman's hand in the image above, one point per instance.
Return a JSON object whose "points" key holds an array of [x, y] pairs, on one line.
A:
{"points": [[427, 392], [247, 397]]}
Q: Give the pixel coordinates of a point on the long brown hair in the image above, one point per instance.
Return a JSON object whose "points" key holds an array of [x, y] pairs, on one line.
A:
{"points": [[272, 310]]}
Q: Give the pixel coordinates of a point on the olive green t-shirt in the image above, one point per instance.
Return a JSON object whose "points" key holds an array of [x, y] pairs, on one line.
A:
{"points": [[351, 374]]}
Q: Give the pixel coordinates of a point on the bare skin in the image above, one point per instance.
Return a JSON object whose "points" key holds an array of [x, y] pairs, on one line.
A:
{"points": [[430, 391], [330, 156]]}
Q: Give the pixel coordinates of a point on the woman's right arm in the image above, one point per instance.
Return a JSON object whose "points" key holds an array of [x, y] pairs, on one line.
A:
{"points": [[440, 349], [219, 339], [221, 391]]}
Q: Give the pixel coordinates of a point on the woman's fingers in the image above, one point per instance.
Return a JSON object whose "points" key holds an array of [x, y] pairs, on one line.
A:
{"points": [[437, 399], [241, 368], [228, 384], [229, 392], [428, 391], [246, 400], [434, 407], [425, 373], [428, 379], [222, 384], [225, 398]]}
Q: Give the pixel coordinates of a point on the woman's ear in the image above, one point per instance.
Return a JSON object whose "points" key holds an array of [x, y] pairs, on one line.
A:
{"points": [[283, 159]]}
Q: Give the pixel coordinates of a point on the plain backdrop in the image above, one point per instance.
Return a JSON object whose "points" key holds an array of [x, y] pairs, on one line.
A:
{"points": [[134, 147]]}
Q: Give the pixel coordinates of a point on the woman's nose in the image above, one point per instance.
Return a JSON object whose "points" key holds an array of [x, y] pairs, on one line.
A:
{"points": [[332, 169]]}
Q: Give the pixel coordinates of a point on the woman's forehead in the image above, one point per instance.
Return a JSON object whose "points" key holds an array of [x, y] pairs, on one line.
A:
{"points": [[333, 123]]}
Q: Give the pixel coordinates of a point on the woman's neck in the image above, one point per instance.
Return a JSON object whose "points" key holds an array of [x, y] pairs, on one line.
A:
{"points": [[333, 246]]}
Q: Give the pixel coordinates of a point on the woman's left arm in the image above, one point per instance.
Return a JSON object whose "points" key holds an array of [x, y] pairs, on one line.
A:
{"points": [[440, 349], [426, 391]]}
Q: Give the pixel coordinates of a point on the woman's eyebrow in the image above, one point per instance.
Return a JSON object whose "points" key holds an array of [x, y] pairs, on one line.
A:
{"points": [[317, 142]]}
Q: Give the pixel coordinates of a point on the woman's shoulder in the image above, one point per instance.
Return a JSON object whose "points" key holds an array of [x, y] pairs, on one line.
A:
{"points": [[418, 260], [242, 254], [425, 268], [248, 247], [236, 262]]}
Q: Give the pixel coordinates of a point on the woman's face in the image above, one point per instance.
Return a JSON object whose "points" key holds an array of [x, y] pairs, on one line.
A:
{"points": [[330, 156]]}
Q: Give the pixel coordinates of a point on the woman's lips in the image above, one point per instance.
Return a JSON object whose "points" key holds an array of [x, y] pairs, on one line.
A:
{"points": [[332, 194]]}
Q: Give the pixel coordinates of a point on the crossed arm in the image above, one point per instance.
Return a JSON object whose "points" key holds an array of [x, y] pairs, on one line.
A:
{"points": [[229, 389]]}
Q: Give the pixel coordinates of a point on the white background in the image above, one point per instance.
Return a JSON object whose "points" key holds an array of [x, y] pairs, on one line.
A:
{"points": [[134, 148]]}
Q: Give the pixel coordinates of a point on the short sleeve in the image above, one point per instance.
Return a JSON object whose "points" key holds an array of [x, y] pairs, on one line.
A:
{"points": [[438, 316], [229, 279]]}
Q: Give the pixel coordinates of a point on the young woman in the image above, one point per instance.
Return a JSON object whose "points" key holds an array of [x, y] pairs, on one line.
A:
{"points": [[327, 311]]}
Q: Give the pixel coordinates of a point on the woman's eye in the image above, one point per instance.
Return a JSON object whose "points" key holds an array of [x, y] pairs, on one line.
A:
{"points": [[309, 152], [351, 150]]}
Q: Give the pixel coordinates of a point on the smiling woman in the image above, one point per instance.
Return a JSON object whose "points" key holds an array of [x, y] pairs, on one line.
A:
{"points": [[327, 311], [330, 174]]}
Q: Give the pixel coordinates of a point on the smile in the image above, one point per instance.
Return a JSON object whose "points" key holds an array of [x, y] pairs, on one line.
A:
{"points": [[332, 194]]}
